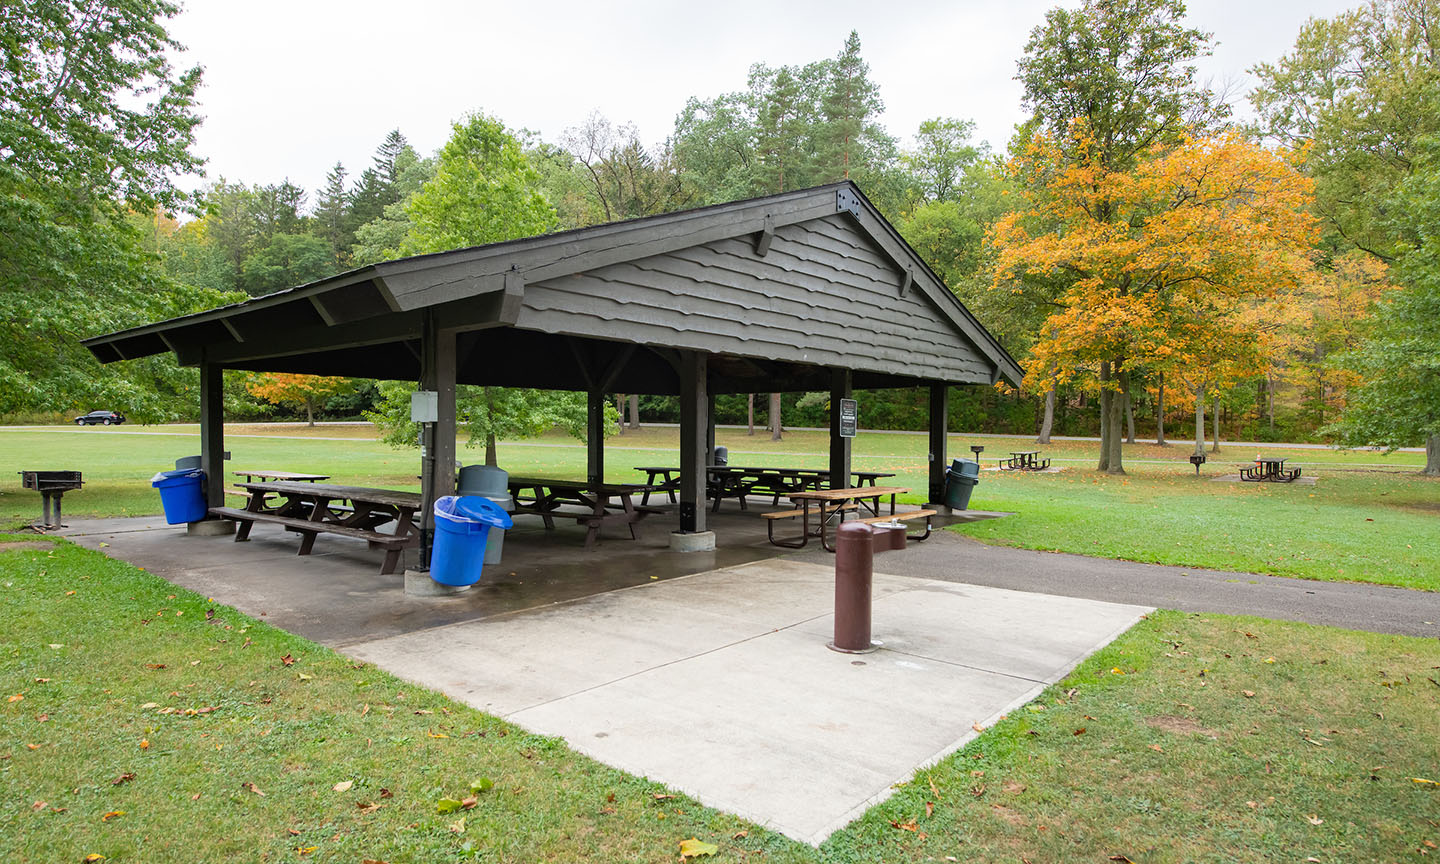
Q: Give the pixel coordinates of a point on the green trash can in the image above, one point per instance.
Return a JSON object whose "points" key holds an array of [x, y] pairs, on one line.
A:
{"points": [[958, 487]]}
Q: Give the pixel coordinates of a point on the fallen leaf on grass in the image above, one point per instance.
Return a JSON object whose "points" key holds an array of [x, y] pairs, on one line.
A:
{"points": [[1123, 859], [1249, 694], [154, 665], [1157, 748], [1314, 820], [287, 660], [144, 743], [39, 805], [469, 803], [1423, 782], [374, 861], [252, 788], [447, 805], [977, 727], [148, 705], [302, 851], [661, 796], [739, 835], [934, 790], [929, 809], [485, 784], [693, 848], [94, 856], [1080, 731], [303, 677], [367, 807], [123, 778], [457, 826], [111, 815], [16, 698], [47, 680], [1013, 787], [343, 785], [386, 793]]}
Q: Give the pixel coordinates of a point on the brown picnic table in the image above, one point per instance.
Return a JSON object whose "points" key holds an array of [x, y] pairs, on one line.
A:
{"points": [[251, 474], [1024, 460], [833, 504], [605, 503], [738, 481], [1269, 469], [313, 508]]}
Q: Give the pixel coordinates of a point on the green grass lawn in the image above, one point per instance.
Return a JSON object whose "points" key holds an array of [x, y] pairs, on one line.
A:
{"points": [[141, 722], [1371, 517]]}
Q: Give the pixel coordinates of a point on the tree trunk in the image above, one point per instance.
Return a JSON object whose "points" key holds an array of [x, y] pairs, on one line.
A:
{"points": [[634, 411], [1160, 413], [775, 429], [1129, 408], [1270, 387], [620, 410], [1199, 419], [750, 412], [309, 413], [1215, 445], [1049, 422], [490, 457], [1117, 418], [1432, 456], [1104, 463]]}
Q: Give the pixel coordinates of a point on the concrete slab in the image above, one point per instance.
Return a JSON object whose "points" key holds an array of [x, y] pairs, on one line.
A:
{"points": [[720, 684]]}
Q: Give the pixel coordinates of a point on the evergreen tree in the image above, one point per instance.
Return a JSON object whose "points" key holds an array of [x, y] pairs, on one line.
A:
{"points": [[850, 135], [332, 217]]}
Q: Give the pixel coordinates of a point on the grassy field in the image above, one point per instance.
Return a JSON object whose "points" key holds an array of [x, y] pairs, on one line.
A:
{"points": [[1370, 518], [143, 723]]}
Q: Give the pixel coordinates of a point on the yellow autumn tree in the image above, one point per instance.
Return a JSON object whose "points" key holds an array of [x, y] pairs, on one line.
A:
{"points": [[301, 391], [1158, 267]]}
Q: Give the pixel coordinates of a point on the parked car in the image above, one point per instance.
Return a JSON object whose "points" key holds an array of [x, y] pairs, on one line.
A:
{"points": [[104, 418]]}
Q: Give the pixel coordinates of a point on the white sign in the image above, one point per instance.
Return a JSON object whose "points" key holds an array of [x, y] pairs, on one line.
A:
{"points": [[425, 406]]}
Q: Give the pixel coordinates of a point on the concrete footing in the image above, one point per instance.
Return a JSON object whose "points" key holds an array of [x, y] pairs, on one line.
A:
{"points": [[696, 541], [940, 509], [419, 584], [210, 528]]}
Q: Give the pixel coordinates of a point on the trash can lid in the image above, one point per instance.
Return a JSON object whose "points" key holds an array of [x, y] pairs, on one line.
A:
{"points": [[179, 472], [472, 508]]}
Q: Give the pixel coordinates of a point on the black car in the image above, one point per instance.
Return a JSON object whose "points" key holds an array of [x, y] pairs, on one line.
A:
{"points": [[105, 418]]}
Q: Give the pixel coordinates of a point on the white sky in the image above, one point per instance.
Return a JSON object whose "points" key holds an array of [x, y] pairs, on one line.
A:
{"points": [[293, 85]]}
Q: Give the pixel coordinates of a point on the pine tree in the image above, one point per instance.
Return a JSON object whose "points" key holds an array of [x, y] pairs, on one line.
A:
{"points": [[332, 216], [851, 103]]}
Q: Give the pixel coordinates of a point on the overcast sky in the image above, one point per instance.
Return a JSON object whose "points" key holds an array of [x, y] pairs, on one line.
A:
{"points": [[291, 86]]}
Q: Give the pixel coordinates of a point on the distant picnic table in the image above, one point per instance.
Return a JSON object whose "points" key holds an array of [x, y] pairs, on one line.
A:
{"points": [[738, 481], [1024, 460], [606, 503], [270, 474], [1269, 469]]}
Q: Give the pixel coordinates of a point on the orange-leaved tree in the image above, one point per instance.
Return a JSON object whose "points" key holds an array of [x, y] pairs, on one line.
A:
{"points": [[1154, 266], [302, 391]]}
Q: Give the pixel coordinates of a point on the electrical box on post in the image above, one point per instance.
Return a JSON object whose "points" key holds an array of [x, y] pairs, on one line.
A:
{"points": [[425, 406]]}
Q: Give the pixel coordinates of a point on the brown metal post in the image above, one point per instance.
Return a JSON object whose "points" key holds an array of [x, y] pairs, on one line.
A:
{"points": [[854, 573]]}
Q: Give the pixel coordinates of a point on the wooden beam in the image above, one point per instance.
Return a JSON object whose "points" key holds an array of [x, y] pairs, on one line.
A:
{"points": [[694, 402], [513, 296], [767, 234], [234, 331], [906, 280], [582, 362], [595, 436], [212, 432], [839, 447], [617, 366], [939, 437]]}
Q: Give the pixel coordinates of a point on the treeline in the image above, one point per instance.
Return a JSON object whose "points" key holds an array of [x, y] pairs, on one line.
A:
{"points": [[1144, 255]]}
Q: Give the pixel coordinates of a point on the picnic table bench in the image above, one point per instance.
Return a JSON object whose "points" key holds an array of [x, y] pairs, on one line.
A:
{"points": [[606, 503], [313, 508], [1269, 469], [1024, 460]]}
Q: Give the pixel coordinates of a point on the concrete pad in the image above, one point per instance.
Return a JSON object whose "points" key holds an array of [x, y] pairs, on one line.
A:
{"points": [[720, 684], [1302, 480]]}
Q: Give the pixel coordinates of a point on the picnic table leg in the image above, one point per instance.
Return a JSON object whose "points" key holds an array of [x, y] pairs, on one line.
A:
{"points": [[392, 560]]}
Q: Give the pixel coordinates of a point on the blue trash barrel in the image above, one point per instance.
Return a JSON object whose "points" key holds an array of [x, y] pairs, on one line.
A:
{"points": [[462, 524], [182, 494]]}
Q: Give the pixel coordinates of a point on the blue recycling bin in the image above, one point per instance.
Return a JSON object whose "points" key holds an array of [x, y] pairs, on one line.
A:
{"points": [[462, 525], [182, 494]]}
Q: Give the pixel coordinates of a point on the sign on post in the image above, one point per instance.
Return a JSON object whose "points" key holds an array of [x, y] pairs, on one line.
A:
{"points": [[849, 417]]}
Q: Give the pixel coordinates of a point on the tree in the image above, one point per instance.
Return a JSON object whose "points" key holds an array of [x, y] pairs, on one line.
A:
{"points": [[379, 185], [95, 125], [1106, 83], [302, 391], [333, 223], [1195, 237], [484, 191], [1399, 403], [1358, 92], [626, 180], [380, 239], [286, 261], [942, 157]]}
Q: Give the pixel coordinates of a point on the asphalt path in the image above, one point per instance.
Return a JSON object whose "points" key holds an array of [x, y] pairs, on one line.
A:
{"points": [[956, 558]]}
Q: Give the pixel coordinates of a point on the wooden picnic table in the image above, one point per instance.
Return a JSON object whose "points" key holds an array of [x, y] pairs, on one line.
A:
{"points": [[312, 508], [269, 474], [1269, 469], [833, 503], [1024, 460], [607, 503], [739, 481]]}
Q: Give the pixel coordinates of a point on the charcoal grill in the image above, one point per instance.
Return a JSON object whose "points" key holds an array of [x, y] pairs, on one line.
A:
{"points": [[51, 485]]}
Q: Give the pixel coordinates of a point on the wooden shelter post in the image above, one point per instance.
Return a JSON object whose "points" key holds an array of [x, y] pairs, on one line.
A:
{"points": [[939, 434], [839, 446], [212, 431], [595, 437], [437, 465], [694, 423], [710, 430]]}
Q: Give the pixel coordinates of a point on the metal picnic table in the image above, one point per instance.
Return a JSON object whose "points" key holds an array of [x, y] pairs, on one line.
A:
{"points": [[1269, 469], [1024, 460]]}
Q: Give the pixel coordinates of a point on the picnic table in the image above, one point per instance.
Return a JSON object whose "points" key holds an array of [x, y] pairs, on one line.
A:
{"points": [[833, 504], [739, 481], [1269, 469], [606, 503], [1024, 460], [311, 508], [268, 474]]}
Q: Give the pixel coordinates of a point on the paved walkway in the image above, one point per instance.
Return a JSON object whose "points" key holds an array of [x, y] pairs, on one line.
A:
{"points": [[720, 684], [955, 558]]}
